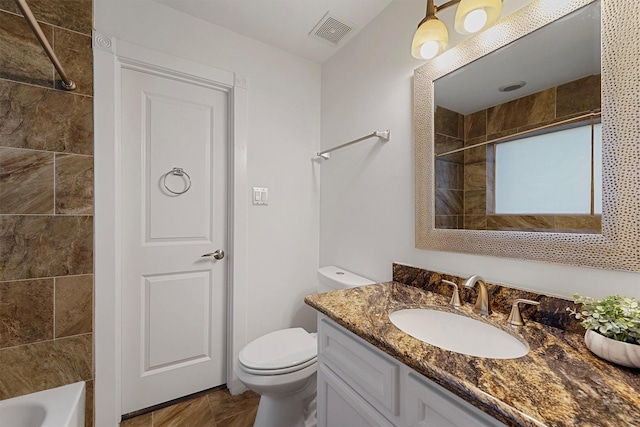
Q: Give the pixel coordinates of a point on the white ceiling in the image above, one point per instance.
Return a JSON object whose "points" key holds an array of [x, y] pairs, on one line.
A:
{"points": [[563, 51], [285, 24]]}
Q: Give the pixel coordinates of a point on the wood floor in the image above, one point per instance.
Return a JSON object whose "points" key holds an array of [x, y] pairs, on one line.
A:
{"points": [[215, 409]]}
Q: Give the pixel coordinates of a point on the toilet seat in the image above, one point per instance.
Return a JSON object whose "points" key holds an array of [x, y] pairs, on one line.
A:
{"points": [[280, 371], [279, 352]]}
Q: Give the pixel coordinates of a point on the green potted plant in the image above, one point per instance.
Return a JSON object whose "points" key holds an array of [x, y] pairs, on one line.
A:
{"points": [[613, 327]]}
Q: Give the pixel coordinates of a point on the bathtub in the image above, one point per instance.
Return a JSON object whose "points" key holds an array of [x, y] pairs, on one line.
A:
{"points": [[56, 407]]}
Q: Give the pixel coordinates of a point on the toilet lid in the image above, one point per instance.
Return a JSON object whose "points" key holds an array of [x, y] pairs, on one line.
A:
{"points": [[280, 349]]}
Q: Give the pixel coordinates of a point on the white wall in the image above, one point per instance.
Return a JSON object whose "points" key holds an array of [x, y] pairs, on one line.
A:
{"points": [[284, 133], [367, 190]]}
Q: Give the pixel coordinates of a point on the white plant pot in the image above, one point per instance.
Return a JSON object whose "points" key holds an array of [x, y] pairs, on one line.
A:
{"points": [[618, 352]]}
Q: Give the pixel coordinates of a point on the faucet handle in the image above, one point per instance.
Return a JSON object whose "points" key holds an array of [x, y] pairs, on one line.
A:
{"points": [[515, 318], [455, 298]]}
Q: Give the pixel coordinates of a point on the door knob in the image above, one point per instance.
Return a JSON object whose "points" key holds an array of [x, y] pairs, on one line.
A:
{"points": [[219, 254]]}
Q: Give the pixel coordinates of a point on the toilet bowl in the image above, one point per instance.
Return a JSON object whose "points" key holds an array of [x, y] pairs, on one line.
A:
{"points": [[281, 366]]}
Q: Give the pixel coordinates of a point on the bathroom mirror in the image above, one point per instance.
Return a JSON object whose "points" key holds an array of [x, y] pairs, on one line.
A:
{"points": [[616, 244], [517, 137]]}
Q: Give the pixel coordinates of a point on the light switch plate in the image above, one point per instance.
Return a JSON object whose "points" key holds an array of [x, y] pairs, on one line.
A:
{"points": [[260, 196]]}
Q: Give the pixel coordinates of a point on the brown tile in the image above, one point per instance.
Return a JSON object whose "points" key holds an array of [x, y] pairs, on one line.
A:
{"points": [[520, 222], [45, 119], [74, 184], [475, 155], [22, 58], [45, 246], [144, 420], [447, 174], [475, 125], [473, 141], [48, 364], [449, 202], [194, 412], [74, 305], [9, 6], [224, 405], [243, 419], [475, 202], [26, 181], [26, 312], [88, 405], [439, 143], [74, 51], [447, 122], [475, 176], [534, 128], [579, 96], [444, 144], [457, 158], [461, 177], [578, 223], [475, 222], [527, 110], [75, 15], [508, 134], [446, 221]]}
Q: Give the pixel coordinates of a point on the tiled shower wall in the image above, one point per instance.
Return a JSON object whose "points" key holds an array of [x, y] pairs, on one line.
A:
{"points": [[449, 174], [46, 201], [463, 184]]}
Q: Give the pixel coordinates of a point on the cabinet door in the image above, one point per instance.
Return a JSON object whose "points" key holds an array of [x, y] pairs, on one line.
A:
{"points": [[429, 405], [340, 406], [370, 372]]}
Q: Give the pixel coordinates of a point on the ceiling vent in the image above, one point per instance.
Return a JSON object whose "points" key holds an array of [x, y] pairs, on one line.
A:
{"points": [[332, 29]]}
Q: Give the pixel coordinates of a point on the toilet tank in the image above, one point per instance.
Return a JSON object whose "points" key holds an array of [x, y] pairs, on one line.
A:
{"points": [[331, 278]]}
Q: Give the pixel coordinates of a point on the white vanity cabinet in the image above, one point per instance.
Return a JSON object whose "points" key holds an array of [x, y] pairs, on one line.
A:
{"points": [[360, 385], [340, 405]]}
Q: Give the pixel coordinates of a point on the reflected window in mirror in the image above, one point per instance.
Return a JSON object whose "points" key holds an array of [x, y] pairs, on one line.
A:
{"points": [[558, 173]]}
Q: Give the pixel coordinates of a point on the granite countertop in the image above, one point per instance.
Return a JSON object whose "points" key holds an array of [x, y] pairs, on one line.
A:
{"points": [[559, 383]]}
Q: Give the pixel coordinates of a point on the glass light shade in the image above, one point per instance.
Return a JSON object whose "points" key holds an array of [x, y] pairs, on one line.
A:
{"points": [[467, 20], [432, 34], [429, 49], [475, 21]]}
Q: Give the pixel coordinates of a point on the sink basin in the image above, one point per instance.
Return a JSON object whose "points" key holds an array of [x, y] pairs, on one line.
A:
{"points": [[458, 333]]}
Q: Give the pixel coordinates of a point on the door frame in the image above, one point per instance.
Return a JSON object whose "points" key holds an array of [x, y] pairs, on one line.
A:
{"points": [[109, 60]]}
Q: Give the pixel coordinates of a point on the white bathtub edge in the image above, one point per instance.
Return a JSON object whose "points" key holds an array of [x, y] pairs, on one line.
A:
{"points": [[64, 405]]}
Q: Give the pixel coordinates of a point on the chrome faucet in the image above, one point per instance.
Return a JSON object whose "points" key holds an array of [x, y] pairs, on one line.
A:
{"points": [[482, 303]]}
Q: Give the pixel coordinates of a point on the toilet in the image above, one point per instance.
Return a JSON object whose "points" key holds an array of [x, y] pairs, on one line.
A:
{"points": [[281, 365]]}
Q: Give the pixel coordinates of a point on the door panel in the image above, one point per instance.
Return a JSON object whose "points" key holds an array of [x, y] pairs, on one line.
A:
{"points": [[166, 343], [168, 219], [173, 300]]}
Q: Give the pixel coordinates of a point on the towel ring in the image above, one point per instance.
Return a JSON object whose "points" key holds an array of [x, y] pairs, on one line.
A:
{"points": [[176, 172]]}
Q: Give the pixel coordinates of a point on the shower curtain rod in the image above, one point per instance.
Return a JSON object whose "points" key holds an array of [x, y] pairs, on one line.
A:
{"points": [[67, 83], [383, 135], [582, 118]]}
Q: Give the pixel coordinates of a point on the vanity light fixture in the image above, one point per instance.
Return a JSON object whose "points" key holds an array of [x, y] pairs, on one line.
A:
{"points": [[432, 36]]}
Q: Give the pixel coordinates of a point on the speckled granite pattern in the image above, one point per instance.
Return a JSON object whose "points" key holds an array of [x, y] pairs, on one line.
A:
{"points": [[559, 383], [551, 311]]}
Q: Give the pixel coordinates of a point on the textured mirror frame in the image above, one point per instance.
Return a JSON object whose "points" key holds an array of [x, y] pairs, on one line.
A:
{"points": [[618, 246]]}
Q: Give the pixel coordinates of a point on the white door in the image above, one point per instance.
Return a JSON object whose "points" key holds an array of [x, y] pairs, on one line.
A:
{"points": [[173, 298]]}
